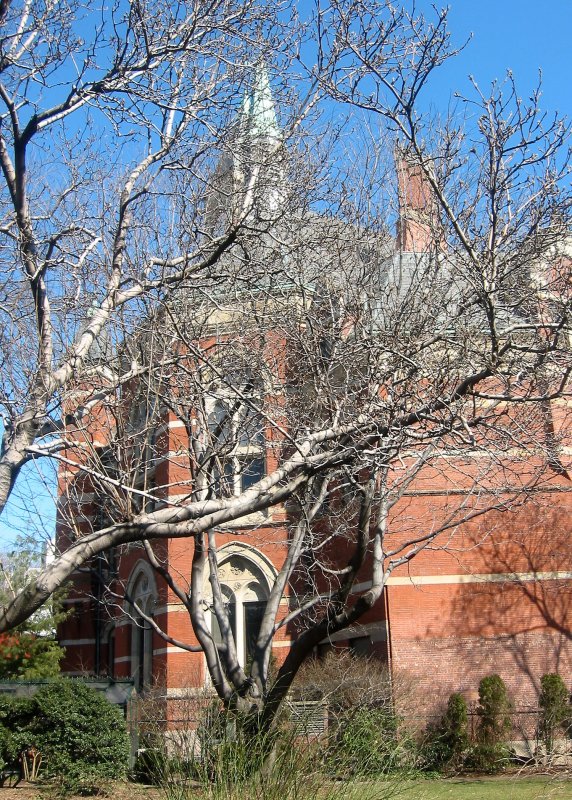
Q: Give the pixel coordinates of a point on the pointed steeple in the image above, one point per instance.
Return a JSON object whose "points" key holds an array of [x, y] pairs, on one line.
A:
{"points": [[253, 170], [258, 115]]}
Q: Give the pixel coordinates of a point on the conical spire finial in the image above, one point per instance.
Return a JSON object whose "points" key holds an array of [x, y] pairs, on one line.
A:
{"points": [[252, 172], [258, 116]]}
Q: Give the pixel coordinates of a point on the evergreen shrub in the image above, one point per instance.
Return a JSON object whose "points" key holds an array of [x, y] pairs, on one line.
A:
{"points": [[555, 712], [491, 752], [16, 714], [81, 736], [494, 710], [446, 743]]}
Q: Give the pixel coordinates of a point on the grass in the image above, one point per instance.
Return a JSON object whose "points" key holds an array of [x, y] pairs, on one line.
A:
{"points": [[516, 787], [502, 788]]}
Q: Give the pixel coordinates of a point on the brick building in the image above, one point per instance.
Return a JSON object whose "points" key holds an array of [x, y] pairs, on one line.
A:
{"points": [[491, 595]]}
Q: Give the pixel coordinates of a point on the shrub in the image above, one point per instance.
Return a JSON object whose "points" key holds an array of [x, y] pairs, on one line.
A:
{"points": [[344, 681], [554, 709], [368, 735], [9, 749], [494, 711], [491, 751], [366, 742], [81, 736], [488, 758], [16, 714], [447, 742]]}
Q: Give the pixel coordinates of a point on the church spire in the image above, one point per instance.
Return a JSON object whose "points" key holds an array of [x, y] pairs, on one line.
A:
{"points": [[252, 171], [258, 115]]}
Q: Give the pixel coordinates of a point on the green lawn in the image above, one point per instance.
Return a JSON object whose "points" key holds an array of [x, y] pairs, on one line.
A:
{"points": [[506, 788], [501, 788]]}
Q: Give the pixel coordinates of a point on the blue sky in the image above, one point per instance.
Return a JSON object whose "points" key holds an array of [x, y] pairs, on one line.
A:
{"points": [[520, 35], [30, 512]]}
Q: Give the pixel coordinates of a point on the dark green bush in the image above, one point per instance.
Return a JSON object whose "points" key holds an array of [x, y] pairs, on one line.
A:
{"points": [[447, 742], [555, 712], [80, 732], [81, 736], [494, 711], [16, 714], [491, 752], [9, 749]]}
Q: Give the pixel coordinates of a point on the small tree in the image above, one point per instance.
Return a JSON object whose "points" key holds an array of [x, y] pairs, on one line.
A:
{"points": [[30, 651], [28, 656], [554, 704]]}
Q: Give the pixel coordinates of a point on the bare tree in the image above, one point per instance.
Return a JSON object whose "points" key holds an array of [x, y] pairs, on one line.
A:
{"points": [[112, 123], [310, 364]]}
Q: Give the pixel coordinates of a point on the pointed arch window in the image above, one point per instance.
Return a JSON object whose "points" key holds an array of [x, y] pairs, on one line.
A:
{"points": [[143, 596], [245, 589]]}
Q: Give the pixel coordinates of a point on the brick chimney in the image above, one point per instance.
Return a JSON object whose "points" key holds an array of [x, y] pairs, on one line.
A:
{"points": [[417, 211]]}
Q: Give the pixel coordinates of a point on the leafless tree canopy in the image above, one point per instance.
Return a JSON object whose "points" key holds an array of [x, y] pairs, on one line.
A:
{"points": [[172, 256]]}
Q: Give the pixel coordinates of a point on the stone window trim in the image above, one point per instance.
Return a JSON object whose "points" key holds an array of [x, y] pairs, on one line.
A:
{"points": [[142, 590]]}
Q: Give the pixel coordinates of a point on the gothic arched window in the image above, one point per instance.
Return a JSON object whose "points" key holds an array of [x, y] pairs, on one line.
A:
{"points": [[143, 598], [245, 589]]}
